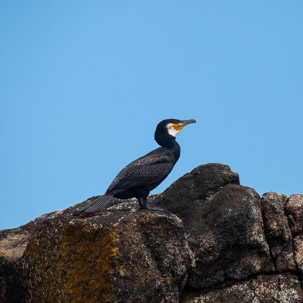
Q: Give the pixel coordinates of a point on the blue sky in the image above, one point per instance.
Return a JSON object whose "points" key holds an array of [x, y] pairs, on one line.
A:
{"points": [[84, 84]]}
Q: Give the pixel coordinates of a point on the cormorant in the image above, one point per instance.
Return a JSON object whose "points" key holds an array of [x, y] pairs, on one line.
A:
{"points": [[141, 176]]}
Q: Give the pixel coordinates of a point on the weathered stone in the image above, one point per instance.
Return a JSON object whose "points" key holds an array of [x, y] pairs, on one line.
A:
{"points": [[185, 196], [298, 247], [294, 210], [277, 231], [224, 223], [11, 283], [200, 183], [125, 255], [233, 245], [115, 257], [12, 245], [283, 288]]}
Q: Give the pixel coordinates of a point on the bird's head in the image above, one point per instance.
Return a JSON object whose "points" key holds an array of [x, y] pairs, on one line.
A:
{"points": [[169, 128]]}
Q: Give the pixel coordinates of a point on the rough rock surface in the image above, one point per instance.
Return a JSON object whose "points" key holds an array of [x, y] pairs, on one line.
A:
{"points": [[223, 244], [114, 258], [277, 231], [13, 242], [119, 256], [294, 210], [224, 222], [284, 288]]}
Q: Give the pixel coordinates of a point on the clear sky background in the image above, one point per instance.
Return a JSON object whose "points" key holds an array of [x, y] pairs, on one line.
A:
{"points": [[83, 85]]}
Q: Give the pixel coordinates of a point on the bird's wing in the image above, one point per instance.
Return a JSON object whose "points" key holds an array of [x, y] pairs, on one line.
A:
{"points": [[151, 168], [141, 175]]}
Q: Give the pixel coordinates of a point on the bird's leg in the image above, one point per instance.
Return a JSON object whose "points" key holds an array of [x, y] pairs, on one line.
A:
{"points": [[143, 205], [141, 202]]}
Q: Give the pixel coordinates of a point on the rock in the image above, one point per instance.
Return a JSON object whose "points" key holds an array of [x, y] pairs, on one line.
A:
{"points": [[246, 249], [224, 223], [114, 257], [201, 182], [298, 247], [277, 231], [283, 288], [294, 210], [11, 283], [185, 196], [13, 242]]}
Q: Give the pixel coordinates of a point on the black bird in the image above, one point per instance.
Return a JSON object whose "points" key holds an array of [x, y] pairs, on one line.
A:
{"points": [[141, 176]]}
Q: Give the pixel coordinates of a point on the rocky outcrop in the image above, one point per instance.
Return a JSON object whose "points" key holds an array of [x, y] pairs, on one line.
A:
{"points": [[277, 232], [294, 211], [262, 288], [222, 243], [105, 259], [225, 226]]}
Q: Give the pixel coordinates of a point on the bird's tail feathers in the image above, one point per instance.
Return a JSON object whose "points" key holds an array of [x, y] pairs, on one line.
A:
{"points": [[97, 205]]}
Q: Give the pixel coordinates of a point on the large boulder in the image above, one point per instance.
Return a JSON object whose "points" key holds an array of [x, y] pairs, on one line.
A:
{"points": [[117, 256], [222, 243], [224, 222]]}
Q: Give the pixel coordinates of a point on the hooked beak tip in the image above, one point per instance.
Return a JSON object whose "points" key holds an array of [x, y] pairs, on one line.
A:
{"points": [[186, 122]]}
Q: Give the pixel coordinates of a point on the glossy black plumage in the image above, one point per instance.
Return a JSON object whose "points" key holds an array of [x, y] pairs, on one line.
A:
{"points": [[141, 176]]}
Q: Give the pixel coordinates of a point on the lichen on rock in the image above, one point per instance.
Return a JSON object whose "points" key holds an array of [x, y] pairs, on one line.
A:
{"points": [[223, 243], [117, 257]]}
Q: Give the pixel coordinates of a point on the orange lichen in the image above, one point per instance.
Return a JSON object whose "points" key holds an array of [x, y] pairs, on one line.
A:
{"points": [[73, 265]]}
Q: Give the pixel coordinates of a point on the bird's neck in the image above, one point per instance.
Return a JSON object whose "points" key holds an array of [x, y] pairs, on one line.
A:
{"points": [[169, 142], [175, 149]]}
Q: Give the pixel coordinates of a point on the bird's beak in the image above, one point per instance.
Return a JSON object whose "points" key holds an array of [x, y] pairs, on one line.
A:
{"points": [[185, 122]]}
